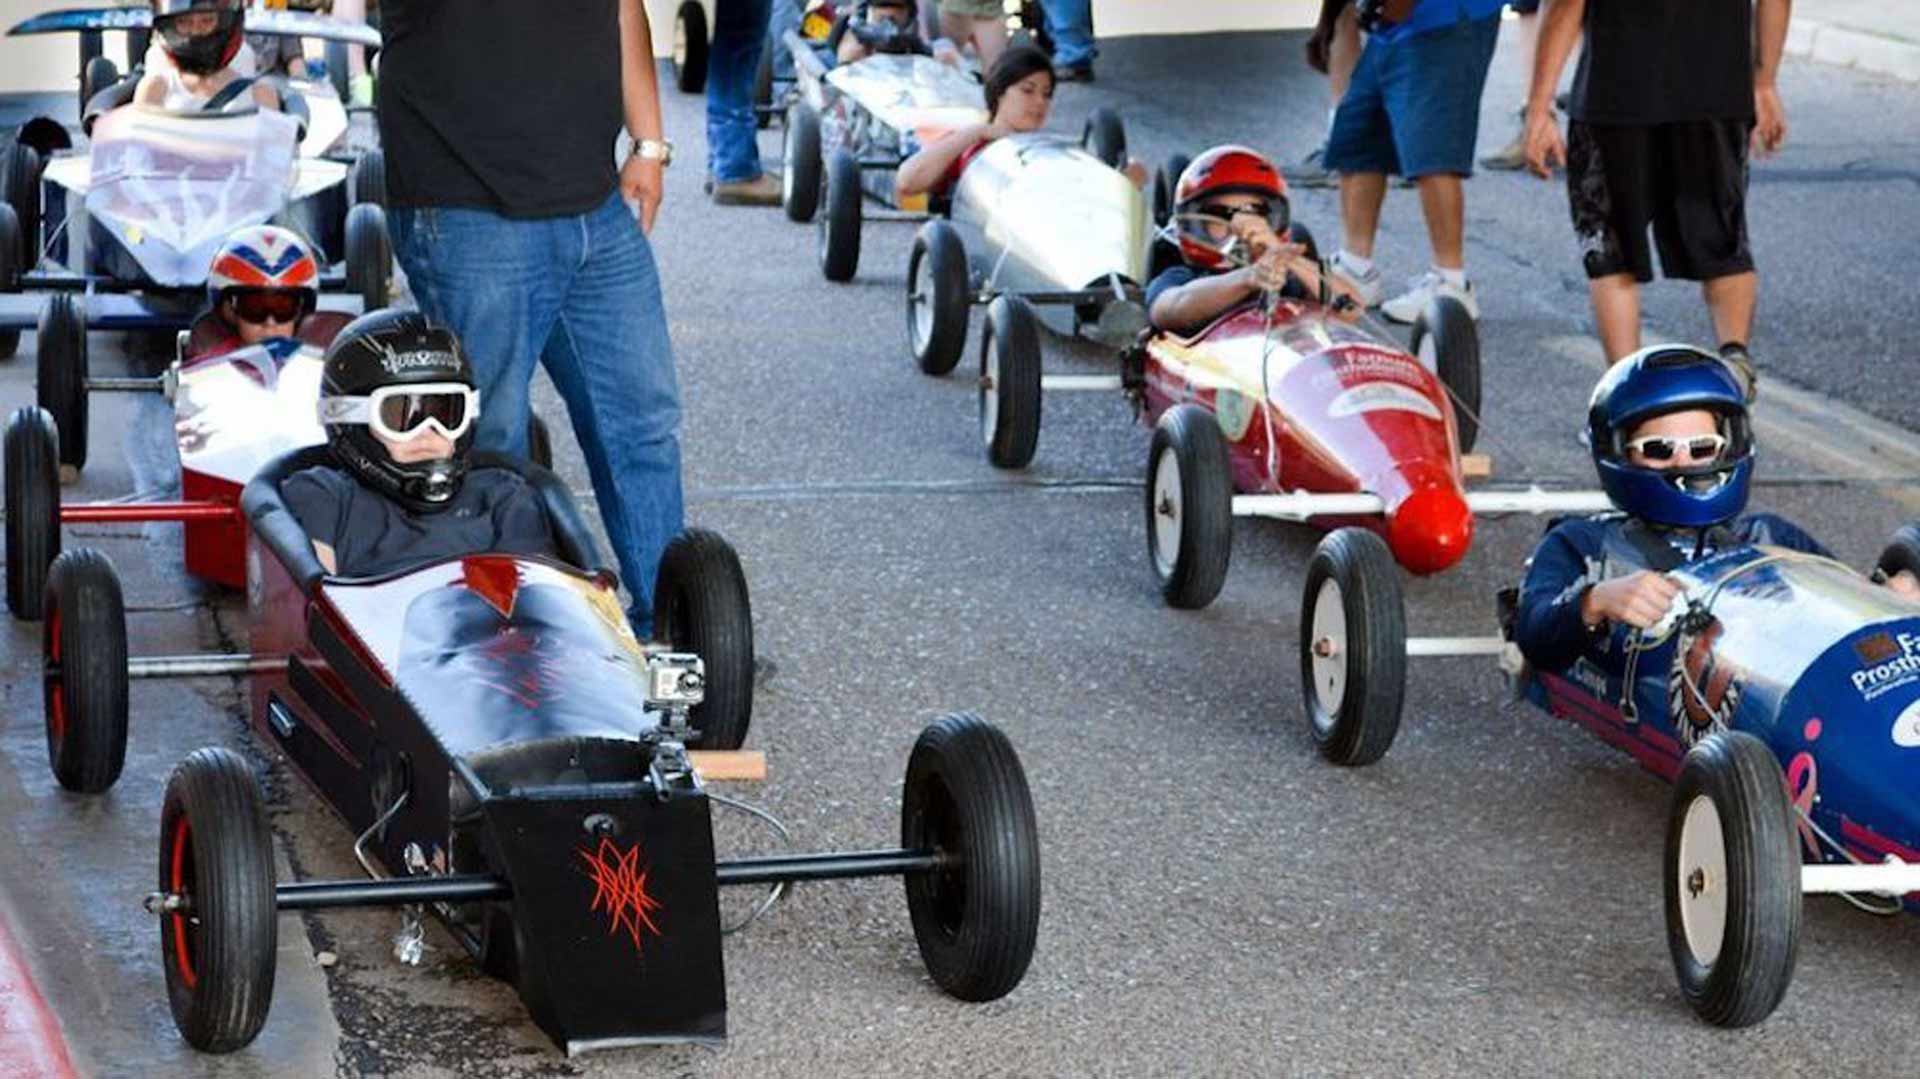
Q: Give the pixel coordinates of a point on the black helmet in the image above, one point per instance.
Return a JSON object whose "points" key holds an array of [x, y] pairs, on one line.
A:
{"points": [[202, 36], [392, 373]]}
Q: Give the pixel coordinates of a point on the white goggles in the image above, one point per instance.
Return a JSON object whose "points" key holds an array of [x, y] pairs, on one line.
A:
{"points": [[398, 413]]}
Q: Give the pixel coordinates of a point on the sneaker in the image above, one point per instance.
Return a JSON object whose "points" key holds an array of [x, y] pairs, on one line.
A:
{"points": [[1513, 156], [1740, 362], [1369, 285], [1073, 73], [1407, 306], [762, 190], [1312, 171]]}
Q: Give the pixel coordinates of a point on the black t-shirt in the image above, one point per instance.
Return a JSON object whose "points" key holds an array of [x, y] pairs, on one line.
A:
{"points": [[495, 512], [1665, 61], [503, 105]]}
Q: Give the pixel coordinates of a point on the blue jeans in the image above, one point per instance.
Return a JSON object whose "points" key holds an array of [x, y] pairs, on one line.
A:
{"points": [[580, 295], [739, 33], [786, 16], [1070, 22]]}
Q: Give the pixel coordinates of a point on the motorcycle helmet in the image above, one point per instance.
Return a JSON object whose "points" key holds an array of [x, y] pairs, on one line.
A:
{"points": [[1654, 382], [390, 374], [265, 270], [200, 36], [1220, 171]]}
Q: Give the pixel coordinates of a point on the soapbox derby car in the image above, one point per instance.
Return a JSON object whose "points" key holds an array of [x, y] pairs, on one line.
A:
{"points": [[1781, 696], [233, 411], [507, 753]]}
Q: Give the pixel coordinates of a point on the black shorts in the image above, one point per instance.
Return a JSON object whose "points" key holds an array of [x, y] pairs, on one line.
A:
{"points": [[1687, 180]]}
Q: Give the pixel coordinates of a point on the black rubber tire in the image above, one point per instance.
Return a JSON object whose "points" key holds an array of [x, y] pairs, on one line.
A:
{"points": [[1901, 553], [20, 167], [98, 74], [691, 45], [840, 226], [33, 509], [539, 442], [763, 86], [1010, 383], [1105, 137], [1456, 356], [1166, 180], [1303, 236], [1188, 437], [369, 256], [977, 917], [367, 179], [84, 647], [60, 373], [9, 273], [700, 605], [800, 181], [1740, 777], [1361, 727], [216, 849], [937, 269]]}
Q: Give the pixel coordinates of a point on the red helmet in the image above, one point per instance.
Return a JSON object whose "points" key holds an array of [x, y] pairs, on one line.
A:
{"points": [[1220, 171]]}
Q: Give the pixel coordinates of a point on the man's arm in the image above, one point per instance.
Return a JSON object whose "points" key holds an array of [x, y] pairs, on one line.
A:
{"points": [[642, 180], [1559, 32], [1770, 39]]}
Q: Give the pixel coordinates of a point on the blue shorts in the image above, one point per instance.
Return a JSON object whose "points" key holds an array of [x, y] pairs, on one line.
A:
{"points": [[1413, 107]]}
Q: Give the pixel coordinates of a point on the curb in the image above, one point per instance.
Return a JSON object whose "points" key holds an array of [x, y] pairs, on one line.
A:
{"points": [[30, 1043], [1843, 46]]}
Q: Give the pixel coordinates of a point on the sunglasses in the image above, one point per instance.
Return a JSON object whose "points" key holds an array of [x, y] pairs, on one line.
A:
{"points": [[269, 305], [398, 413], [1667, 448]]}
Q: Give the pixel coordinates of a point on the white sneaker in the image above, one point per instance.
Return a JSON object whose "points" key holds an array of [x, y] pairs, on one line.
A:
{"points": [[1407, 306], [1369, 285]]}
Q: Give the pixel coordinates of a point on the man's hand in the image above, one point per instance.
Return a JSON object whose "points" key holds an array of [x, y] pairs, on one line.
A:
{"points": [[642, 184], [1640, 600], [1546, 150], [1769, 120]]}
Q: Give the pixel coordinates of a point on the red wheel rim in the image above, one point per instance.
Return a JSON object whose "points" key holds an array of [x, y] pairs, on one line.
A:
{"points": [[56, 686], [182, 843]]}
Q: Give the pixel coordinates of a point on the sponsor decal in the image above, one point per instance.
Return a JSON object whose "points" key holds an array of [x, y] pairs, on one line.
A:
{"points": [[1803, 788], [1588, 677], [1383, 397], [620, 890], [1889, 661], [1906, 729], [1703, 689], [398, 363], [1235, 412]]}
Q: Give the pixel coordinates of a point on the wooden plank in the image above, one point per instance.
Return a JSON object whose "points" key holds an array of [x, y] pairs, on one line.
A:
{"points": [[1476, 466], [719, 764]]}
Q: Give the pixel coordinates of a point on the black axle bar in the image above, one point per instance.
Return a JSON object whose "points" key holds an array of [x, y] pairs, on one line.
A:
{"points": [[401, 891]]}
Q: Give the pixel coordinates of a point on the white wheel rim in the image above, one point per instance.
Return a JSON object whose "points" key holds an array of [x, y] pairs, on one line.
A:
{"points": [[989, 389], [1166, 512], [1429, 354], [1328, 650], [919, 303], [1703, 880]]}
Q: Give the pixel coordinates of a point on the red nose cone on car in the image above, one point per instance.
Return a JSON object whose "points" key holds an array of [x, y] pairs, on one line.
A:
{"points": [[1430, 529]]}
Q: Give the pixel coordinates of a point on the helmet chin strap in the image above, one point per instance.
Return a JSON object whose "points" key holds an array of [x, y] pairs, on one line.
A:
{"points": [[438, 486]]}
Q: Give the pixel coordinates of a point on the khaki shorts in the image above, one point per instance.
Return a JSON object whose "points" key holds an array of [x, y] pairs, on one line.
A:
{"points": [[974, 9]]}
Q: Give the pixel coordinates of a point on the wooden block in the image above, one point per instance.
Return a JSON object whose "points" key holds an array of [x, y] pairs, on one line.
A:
{"points": [[1475, 466], [716, 764]]}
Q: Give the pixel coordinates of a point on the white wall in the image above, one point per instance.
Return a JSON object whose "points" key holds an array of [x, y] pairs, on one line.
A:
{"points": [[43, 61]]}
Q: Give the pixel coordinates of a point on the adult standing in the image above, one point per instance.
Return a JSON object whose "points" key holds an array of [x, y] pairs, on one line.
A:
{"points": [[516, 228], [1667, 98], [733, 146], [1413, 109], [1070, 24]]}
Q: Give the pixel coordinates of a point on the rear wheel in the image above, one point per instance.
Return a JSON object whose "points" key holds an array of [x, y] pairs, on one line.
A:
{"points": [[1010, 383], [20, 166], [700, 605], [369, 256], [1353, 647], [763, 86], [840, 228], [800, 182], [1166, 181], [1732, 880], [937, 307], [9, 272], [84, 648], [216, 856], [367, 179], [1189, 507], [33, 509], [1448, 343], [1105, 137], [1902, 551], [99, 74], [60, 367], [976, 918], [690, 46]]}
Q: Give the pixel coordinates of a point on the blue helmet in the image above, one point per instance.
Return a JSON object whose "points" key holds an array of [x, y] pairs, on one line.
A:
{"points": [[1654, 382]]}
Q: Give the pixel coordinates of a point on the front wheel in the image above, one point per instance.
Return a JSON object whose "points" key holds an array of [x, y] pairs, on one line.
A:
{"points": [[700, 605], [1189, 507], [33, 509], [1010, 383], [977, 915], [61, 373], [1353, 647], [1447, 342], [84, 650], [840, 228], [1105, 137], [937, 301], [1732, 880], [800, 181], [369, 256], [216, 862]]}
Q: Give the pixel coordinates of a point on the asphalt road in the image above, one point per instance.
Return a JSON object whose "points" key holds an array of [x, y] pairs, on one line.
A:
{"points": [[1218, 902]]}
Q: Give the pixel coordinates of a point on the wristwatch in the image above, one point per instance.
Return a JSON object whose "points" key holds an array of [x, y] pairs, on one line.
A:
{"points": [[660, 150]]}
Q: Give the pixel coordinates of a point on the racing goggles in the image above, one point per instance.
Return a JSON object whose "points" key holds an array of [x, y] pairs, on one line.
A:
{"points": [[399, 413], [1697, 448], [1275, 213], [260, 306]]}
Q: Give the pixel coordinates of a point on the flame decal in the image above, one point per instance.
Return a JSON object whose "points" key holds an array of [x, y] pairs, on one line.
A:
{"points": [[620, 888]]}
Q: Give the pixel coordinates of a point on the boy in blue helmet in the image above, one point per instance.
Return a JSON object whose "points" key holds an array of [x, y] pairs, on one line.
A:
{"points": [[1670, 436]]}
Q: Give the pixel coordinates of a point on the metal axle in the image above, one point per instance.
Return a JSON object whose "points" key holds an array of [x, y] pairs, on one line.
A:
{"points": [[203, 666]]}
